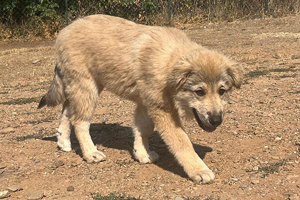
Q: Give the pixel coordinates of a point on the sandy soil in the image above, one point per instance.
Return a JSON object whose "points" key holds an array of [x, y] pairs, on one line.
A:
{"points": [[254, 154]]}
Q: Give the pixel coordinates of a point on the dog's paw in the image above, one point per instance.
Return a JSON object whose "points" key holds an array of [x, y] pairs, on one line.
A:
{"points": [[64, 144], [94, 157], [146, 157], [204, 176]]}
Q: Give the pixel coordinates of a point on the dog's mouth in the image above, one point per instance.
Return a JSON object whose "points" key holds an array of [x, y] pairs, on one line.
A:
{"points": [[200, 119]]}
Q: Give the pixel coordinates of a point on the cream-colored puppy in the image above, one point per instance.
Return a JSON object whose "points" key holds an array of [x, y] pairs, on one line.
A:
{"points": [[166, 74]]}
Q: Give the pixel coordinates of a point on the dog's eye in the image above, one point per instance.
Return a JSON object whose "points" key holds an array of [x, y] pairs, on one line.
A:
{"points": [[221, 91], [200, 93]]}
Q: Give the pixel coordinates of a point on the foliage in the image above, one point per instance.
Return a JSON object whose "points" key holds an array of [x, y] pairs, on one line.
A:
{"points": [[45, 18], [113, 196]]}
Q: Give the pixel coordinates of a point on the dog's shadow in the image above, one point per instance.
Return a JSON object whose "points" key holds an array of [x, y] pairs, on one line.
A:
{"points": [[121, 137]]}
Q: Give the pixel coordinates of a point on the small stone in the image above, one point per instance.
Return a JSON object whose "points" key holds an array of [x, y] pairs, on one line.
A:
{"points": [[14, 188], [235, 133], [230, 101], [4, 194], [70, 188], [255, 181], [244, 186], [234, 179], [255, 168], [7, 130], [35, 195], [277, 139], [35, 61]]}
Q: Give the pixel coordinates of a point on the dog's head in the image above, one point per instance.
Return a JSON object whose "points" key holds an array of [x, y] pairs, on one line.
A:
{"points": [[202, 81]]}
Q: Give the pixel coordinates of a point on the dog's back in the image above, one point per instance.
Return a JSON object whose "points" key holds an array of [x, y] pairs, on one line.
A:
{"points": [[117, 54]]}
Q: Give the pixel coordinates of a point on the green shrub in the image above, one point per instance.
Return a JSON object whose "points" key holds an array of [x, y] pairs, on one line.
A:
{"points": [[44, 18]]}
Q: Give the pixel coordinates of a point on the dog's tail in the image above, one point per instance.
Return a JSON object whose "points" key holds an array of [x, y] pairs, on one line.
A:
{"points": [[55, 94]]}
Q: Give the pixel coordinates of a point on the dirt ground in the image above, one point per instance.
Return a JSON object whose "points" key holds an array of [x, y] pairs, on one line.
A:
{"points": [[254, 154]]}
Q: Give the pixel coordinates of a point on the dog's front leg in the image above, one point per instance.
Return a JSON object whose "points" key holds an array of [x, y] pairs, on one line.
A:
{"points": [[169, 127]]}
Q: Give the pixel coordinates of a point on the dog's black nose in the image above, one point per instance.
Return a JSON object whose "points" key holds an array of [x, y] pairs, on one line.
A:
{"points": [[215, 120]]}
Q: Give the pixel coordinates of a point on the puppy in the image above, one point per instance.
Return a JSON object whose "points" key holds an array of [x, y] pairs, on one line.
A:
{"points": [[166, 74]]}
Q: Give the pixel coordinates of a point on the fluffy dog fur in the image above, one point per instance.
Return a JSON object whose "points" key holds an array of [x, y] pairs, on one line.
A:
{"points": [[166, 74]]}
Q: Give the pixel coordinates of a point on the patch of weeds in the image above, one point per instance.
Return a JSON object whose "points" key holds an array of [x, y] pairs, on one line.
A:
{"points": [[40, 121], [36, 136], [256, 73], [282, 70], [113, 196], [5, 92], [288, 76], [122, 163], [271, 168], [19, 101], [297, 92]]}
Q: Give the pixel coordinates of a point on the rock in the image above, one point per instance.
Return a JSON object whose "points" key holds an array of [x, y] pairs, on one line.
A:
{"points": [[179, 198], [70, 188], [244, 186], [4, 194], [35, 61], [35, 195], [255, 168], [235, 133], [235, 179], [14, 188], [93, 177], [255, 181], [7, 130], [277, 139]]}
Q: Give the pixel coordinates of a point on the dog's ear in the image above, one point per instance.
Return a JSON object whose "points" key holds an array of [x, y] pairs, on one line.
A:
{"points": [[182, 78], [178, 78], [235, 73]]}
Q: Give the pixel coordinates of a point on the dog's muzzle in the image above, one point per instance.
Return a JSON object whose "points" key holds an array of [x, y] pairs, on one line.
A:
{"points": [[214, 121]]}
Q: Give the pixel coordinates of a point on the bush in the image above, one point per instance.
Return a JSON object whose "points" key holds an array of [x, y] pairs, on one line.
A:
{"points": [[44, 18]]}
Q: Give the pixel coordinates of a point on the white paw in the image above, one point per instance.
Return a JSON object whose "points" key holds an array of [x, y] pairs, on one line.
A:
{"points": [[63, 144], [94, 157], [146, 157], [203, 176]]}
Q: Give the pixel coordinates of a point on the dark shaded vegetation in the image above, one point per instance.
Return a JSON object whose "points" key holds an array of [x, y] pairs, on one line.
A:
{"points": [[113, 196], [19, 101], [44, 18]]}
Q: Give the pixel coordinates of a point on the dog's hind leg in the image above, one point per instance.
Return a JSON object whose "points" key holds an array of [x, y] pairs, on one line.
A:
{"points": [[64, 130], [83, 97], [142, 130]]}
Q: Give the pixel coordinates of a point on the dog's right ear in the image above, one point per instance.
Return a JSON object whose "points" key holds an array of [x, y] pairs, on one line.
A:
{"points": [[183, 79], [179, 78]]}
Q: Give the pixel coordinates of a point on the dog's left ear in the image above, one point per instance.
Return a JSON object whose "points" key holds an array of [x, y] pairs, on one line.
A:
{"points": [[235, 72]]}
